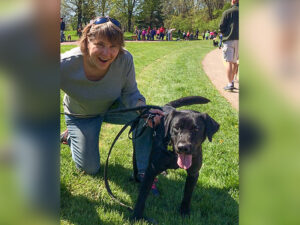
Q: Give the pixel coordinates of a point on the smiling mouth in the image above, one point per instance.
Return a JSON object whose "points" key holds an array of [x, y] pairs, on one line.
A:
{"points": [[103, 60]]}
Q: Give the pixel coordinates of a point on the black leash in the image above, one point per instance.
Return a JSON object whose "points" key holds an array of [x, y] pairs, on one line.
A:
{"points": [[134, 125], [106, 167], [138, 108]]}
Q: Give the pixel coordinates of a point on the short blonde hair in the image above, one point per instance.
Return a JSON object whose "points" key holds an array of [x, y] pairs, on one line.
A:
{"points": [[108, 31]]}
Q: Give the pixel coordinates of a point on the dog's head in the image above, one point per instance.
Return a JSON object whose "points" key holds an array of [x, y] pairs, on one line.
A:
{"points": [[186, 130]]}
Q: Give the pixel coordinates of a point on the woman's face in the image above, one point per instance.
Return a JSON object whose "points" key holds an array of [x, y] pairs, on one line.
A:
{"points": [[102, 53]]}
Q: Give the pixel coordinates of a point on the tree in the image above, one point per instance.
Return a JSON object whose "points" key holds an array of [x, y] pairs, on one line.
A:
{"points": [[180, 14], [83, 10], [212, 5], [103, 7], [178, 7], [125, 9], [150, 13], [73, 7], [88, 11]]}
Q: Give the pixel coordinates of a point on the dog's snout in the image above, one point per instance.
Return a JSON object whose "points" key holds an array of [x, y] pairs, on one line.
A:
{"points": [[183, 147]]}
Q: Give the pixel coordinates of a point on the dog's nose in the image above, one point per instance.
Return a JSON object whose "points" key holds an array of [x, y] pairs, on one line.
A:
{"points": [[183, 147]]}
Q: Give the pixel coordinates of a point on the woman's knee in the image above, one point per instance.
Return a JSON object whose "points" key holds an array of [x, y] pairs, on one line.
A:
{"points": [[90, 168]]}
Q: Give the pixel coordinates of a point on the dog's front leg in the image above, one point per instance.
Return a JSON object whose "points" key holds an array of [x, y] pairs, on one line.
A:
{"points": [[143, 194], [190, 184]]}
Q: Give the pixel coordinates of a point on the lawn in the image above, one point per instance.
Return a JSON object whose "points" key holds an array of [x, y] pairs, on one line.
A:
{"points": [[73, 33], [165, 71]]}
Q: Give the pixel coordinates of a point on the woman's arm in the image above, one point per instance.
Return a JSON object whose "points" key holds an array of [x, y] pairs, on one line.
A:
{"points": [[130, 95]]}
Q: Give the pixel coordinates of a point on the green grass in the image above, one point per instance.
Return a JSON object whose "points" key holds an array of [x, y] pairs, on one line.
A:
{"points": [[165, 71], [73, 33]]}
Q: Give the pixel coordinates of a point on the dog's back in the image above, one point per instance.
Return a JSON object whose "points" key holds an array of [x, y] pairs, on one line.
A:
{"points": [[191, 100]]}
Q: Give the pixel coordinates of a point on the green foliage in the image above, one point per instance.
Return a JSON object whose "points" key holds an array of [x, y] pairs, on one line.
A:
{"points": [[150, 14], [185, 15], [128, 35], [88, 11], [164, 71], [196, 20]]}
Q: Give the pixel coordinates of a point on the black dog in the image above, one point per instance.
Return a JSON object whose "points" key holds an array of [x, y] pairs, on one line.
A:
{"points": [[185, 130]]}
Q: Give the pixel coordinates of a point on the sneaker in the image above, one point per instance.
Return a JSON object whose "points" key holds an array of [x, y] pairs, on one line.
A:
{"points": [[154, 189], [64, 137], [229, 87]]}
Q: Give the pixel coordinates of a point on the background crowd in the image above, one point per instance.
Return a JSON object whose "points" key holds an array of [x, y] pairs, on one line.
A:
{"points": [[162, 33]]}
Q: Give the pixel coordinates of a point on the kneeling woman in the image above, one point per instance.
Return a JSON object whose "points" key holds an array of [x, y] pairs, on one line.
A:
{"points": [[96, 77]]}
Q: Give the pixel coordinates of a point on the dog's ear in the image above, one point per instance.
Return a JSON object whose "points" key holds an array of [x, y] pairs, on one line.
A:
{"points": [[168, 118], [211, 126]]}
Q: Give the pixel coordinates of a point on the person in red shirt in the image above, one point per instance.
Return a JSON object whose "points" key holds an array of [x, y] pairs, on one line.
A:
{"points": [[162, 33], [188, 35]]}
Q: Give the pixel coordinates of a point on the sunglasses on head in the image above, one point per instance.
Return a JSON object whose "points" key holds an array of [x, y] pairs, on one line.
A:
{"points": [[101, 20]]}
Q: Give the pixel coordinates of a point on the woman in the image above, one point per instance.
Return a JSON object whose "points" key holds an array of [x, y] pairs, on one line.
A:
{"points": [[97, 77]]}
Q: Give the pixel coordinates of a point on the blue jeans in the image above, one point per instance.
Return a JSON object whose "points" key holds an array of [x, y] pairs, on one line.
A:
{"points": [[84, 140]]}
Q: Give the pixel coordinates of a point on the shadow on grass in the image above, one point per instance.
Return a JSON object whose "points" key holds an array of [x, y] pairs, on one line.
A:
{"points": [[78, 209], [81, 210], [209, 205]]}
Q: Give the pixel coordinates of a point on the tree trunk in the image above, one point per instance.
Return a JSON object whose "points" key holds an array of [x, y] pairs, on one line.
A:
{"points": [[129, 21], [79, 13], [151, 18], [103, 8], [210, 6]]}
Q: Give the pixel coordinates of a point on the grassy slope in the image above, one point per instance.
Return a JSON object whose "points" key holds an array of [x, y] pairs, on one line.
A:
{"points": [[165, 71]]}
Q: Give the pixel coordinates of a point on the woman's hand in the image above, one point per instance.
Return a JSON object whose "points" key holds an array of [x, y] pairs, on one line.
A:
{"points": [[157, 118]]}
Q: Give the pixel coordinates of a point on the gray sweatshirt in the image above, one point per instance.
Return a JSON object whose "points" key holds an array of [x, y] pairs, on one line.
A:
{"points": [[85, 97]]}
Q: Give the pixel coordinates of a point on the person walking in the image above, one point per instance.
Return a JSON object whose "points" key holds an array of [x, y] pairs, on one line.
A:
{"points": [[153, 32], [139, 33], [161, 33], [79, 31], [62, 30], [221, 39], [206, 35], [184, 35], [197, 34], [229, 27], [144, 34]]}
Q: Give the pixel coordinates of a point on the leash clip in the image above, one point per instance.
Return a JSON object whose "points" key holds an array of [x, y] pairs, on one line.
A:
{"points": [[150, 116]]}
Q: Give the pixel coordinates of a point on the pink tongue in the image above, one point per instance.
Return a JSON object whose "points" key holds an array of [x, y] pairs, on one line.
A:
{"points": [[184, 161]]}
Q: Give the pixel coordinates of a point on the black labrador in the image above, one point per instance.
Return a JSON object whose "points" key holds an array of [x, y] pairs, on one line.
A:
{"points": [[185, 131]]}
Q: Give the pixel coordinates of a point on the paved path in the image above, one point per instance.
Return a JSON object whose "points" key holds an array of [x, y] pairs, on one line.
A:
{"points": [[214, 67], [70, 43]]}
